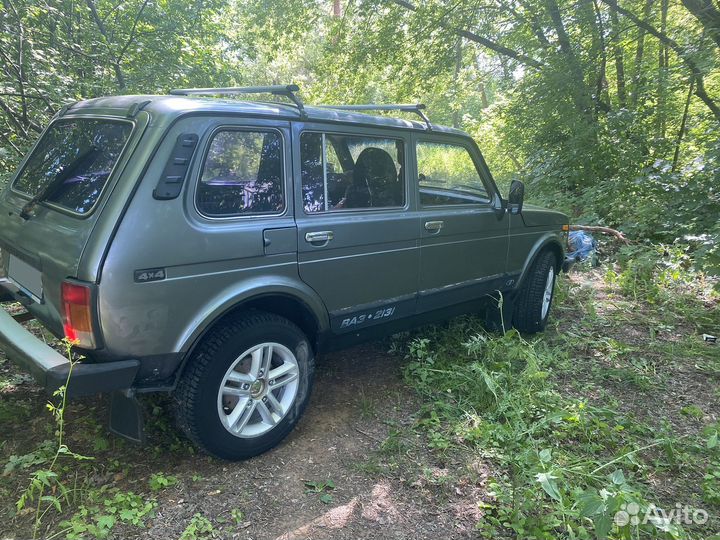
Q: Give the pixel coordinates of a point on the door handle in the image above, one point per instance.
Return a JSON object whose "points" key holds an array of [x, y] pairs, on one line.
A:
{"points": [[319, 237], [434, 226]]}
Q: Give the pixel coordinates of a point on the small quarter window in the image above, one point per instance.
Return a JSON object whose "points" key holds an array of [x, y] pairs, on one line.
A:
{"points": [[242, 175], [447, 175], [343, 172]]}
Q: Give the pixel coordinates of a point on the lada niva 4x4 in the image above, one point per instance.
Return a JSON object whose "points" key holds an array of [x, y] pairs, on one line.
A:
{"points": [[212, 247]]}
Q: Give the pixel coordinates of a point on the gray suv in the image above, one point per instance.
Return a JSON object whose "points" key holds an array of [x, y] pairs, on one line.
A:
{"points": [[213, 247]]}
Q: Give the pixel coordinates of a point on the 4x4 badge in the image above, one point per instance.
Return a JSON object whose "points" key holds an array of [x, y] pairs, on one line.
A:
{"points": [[149, 274]]}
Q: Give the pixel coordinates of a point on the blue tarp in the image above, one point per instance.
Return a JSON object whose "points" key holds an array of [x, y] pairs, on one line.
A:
{"points": [[581, 245]]}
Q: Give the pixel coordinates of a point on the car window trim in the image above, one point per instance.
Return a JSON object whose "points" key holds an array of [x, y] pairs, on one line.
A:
{"points": [[206, 150], [323, 133]]}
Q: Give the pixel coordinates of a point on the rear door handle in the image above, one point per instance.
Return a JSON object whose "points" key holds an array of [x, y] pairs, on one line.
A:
{"points": [[434, 226], [319, 237]]}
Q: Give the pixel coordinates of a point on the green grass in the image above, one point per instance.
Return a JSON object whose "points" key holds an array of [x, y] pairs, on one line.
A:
{"points": [[614, 407], [584, 421]]}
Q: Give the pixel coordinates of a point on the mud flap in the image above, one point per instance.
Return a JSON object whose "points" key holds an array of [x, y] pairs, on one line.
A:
{"points": [[126, 416], [499, 311]]}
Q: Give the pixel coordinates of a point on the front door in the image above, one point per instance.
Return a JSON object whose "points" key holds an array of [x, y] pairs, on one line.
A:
{"points": [[357, 239], [464, 236]]}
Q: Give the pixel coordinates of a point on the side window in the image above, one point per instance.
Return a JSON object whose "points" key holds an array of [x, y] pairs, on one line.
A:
{"points": [[345, 172], [242, 175], [447, 175]]}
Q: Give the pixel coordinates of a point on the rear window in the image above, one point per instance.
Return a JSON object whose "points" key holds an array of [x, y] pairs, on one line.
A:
{"points": [[73, 161]]}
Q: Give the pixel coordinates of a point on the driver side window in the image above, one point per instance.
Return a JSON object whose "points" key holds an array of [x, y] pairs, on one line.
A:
{"points": [[447, 175]]}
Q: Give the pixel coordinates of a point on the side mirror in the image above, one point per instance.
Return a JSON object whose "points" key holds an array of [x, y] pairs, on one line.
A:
{"points": [[515, 197]]}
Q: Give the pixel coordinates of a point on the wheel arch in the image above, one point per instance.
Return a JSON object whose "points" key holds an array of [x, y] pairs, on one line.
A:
{"points": [[548, 242], [296, 302]]}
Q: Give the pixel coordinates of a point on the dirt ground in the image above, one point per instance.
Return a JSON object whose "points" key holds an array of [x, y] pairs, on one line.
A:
{"points": [[358, 396], [358, 399], [359, 433]]}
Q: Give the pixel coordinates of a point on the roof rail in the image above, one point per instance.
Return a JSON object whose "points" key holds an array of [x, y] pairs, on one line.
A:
{"points": [[416, 108], [286, 90]]}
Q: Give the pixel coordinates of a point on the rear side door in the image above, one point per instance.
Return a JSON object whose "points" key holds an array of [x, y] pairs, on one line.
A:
{"points": [[229, 229], [357, 233], [463, 230]]}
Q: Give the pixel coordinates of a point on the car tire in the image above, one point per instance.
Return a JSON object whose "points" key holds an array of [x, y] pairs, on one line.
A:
{"points": [[245, 386], [534, 300]]}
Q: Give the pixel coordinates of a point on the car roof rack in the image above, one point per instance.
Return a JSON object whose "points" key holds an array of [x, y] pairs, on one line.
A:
{"points": [[286, 90], [416, 108]]}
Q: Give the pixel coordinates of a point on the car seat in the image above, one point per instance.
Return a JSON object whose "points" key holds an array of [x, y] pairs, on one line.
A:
{"points": [[375, 181]]}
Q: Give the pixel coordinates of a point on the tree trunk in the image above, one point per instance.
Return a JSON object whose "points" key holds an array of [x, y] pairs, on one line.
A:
{"points": [[675, 46], [580, 94], [18, 66], [619, 60], [601, 86], [683, 123], [456, 82], [483, 96], [530, 18], [708, 15], [662, 73], [337, 8], [639, 77]]}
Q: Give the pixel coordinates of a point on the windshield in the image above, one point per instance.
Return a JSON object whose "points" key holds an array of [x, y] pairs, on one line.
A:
{"points": [[78, 156]]}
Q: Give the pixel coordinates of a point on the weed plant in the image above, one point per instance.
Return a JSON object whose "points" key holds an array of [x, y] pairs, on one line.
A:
{"points": [[572, 460]]}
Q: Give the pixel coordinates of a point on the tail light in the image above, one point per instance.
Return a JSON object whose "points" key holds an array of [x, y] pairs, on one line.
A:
{"points": [[77, 314]]}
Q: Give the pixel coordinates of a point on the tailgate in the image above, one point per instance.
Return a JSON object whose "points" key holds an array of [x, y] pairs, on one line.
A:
{"points": [[48, 211]]}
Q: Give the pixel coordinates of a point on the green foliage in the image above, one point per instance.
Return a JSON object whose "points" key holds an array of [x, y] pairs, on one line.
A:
{"points": [[707, 257], [41, 455], [199, 528], [568, 466], [103, 509], [538, 85], [580, 101], [711, 484], [321, 489], [568, 459], [13, 411], [46, 487], [237, 516], [446, 166], [693, 411], [655, 273], [160, 481]]}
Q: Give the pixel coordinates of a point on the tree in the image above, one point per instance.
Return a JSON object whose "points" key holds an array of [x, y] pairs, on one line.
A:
{"points": [[592, 103], [708, 15]]}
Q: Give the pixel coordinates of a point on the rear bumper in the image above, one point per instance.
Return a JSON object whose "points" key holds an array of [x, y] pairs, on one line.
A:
{"points": [[50, 368]]}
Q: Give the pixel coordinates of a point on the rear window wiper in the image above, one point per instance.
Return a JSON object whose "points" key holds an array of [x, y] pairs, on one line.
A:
{"points": [[86, 158]]}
